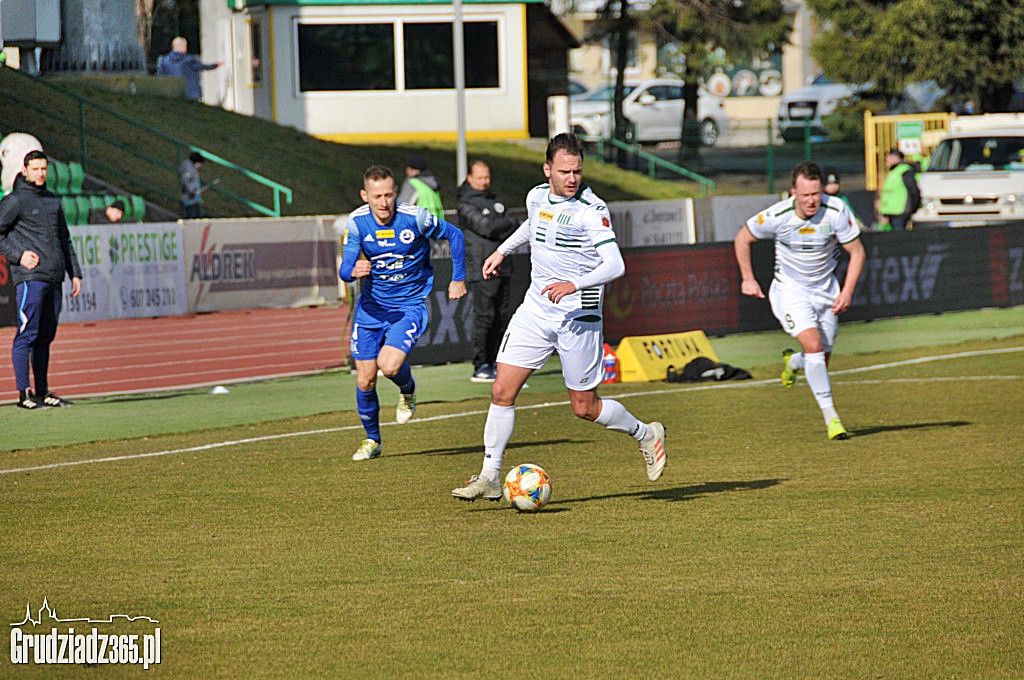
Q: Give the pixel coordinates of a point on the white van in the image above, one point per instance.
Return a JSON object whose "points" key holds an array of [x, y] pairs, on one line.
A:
{"points": [[975, 174]]}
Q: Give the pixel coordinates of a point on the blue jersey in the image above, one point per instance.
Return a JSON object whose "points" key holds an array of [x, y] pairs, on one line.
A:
{"points": [[399, 254]]}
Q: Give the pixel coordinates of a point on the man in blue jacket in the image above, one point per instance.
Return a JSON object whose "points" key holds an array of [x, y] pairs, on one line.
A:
{"points": [[388, 245], [35, 240], [178, 62]]}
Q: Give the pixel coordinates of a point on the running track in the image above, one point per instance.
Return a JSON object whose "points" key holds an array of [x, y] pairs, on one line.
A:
{"points": [[196, 350]]}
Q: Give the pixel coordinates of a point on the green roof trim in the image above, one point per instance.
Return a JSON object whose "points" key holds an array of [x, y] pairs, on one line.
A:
{"points": [[242, 4]]}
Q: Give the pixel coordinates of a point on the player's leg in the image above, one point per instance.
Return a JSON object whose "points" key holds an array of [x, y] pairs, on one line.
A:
{"points": [[399, 339], [581, 350], [367, 336], [526, 346], [800, 312], [50, 314]]}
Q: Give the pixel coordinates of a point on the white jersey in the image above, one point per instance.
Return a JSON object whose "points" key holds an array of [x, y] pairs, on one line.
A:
{"points": [[806, 250], [564, 236]]}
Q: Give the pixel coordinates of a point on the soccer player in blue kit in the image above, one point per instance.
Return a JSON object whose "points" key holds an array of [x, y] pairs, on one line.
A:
{"points": [[388, 244]]}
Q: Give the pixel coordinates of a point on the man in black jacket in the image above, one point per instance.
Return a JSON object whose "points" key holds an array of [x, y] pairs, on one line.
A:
{"points": [[485, 224], [35, 240]]}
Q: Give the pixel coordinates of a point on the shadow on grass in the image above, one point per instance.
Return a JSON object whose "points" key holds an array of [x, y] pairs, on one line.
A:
{"points": [[868, 431], [680, 493], [479, 448]]}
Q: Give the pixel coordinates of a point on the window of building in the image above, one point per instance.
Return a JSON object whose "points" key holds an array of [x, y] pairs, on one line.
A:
{"points": [[344, 57], [256, 52], [429, 55]]}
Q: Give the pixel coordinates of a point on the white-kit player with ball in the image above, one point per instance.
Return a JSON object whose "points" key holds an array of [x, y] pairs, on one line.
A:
{"points": [[573, 254]]}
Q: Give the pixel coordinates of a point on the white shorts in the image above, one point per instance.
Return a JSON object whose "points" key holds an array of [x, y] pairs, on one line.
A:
{"points": [[798, 309], [530, 341]]}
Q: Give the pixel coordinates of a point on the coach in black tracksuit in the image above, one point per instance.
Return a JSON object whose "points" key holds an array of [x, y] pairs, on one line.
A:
{"points": [[35, 240], [485, 224]]}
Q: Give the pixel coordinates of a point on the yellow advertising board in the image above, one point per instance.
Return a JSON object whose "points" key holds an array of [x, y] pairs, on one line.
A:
{"points": [[646, 358]]}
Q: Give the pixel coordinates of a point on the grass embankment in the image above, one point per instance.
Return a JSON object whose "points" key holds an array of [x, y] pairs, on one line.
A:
{"points": [[324, 176]]}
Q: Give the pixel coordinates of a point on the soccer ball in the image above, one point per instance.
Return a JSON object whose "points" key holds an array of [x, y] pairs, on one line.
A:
{"points": [[527, 487]]}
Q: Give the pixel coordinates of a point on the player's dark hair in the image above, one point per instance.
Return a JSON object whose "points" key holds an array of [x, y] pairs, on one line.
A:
{"points": [[567, 142], [808, 170], [34, 155], [377, 173]]}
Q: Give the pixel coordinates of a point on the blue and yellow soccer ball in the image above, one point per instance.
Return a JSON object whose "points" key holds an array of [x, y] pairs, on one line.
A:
{"points": [[527, 487]]}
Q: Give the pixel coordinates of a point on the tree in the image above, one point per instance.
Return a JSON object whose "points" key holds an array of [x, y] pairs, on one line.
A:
{"points": [[971, 48], [741, 27], [616, 23]]}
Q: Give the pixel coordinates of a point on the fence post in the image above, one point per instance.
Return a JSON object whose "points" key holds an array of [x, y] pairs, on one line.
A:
{"points": [[81, 135], [771, 158], [807, 139]]}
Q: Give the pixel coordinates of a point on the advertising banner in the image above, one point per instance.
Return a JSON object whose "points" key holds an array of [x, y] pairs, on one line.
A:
{"points": [[669, 291], [254, 263], [653, 223], [8, 310], [128, 271], [1007, 248]]}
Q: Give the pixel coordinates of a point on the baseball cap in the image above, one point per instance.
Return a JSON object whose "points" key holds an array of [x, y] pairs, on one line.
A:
{"points": [[831, 176], [417, 162], [119, 204]]}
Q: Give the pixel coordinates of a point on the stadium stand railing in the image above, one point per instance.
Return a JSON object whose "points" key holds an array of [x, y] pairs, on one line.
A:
{"points": [[156, 154]]}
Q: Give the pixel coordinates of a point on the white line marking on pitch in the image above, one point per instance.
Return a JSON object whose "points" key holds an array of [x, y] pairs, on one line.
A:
{"points": [[621, 395]]}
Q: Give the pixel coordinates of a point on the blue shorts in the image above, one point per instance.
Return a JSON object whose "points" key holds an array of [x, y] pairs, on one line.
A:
{"points": [[375, 327]]}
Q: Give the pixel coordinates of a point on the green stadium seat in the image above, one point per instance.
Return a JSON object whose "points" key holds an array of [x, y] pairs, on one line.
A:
{"points": [[138, 208], [96, 201], [129, 214], [83, 209], [51, 176], [77, 177], [70, 209], [58, 172]]}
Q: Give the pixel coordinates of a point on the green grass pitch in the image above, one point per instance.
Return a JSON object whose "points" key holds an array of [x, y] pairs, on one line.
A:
{"points": [[764, 551]]}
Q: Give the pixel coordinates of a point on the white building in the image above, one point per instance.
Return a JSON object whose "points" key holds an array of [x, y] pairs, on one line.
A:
{"points": [[362, 70]]}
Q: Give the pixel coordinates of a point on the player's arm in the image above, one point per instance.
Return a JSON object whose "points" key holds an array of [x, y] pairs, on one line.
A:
{"points": [[352, 267], [519, 237], [855, 248], [433, 227], [599, 228], [741, 246]]}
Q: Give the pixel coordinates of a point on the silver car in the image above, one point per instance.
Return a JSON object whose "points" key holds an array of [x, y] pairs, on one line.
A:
{"points": [[653, 108]]}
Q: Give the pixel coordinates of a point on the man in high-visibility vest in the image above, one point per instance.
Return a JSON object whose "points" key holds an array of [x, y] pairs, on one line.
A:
{"points": [[900, 198], [420, 187]]}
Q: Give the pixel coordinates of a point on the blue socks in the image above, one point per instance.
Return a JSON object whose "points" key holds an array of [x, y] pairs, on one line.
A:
{"points": [[368, 406]]}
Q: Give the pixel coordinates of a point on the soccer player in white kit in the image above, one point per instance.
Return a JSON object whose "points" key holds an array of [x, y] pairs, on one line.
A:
{"points": [[573, 254], [809, 227]]}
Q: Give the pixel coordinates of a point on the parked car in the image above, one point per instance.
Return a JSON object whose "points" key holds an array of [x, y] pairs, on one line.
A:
{"points": [[811, 103], [653, 109], [975, 176]]}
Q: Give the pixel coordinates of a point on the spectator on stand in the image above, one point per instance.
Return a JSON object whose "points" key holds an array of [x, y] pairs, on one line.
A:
{"points": [[178, 62], [112, 214]]}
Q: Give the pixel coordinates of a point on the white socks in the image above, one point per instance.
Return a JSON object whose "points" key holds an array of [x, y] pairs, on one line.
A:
{"points": [[796, 361], [501, 422], [614, 416], [817, 379]]}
